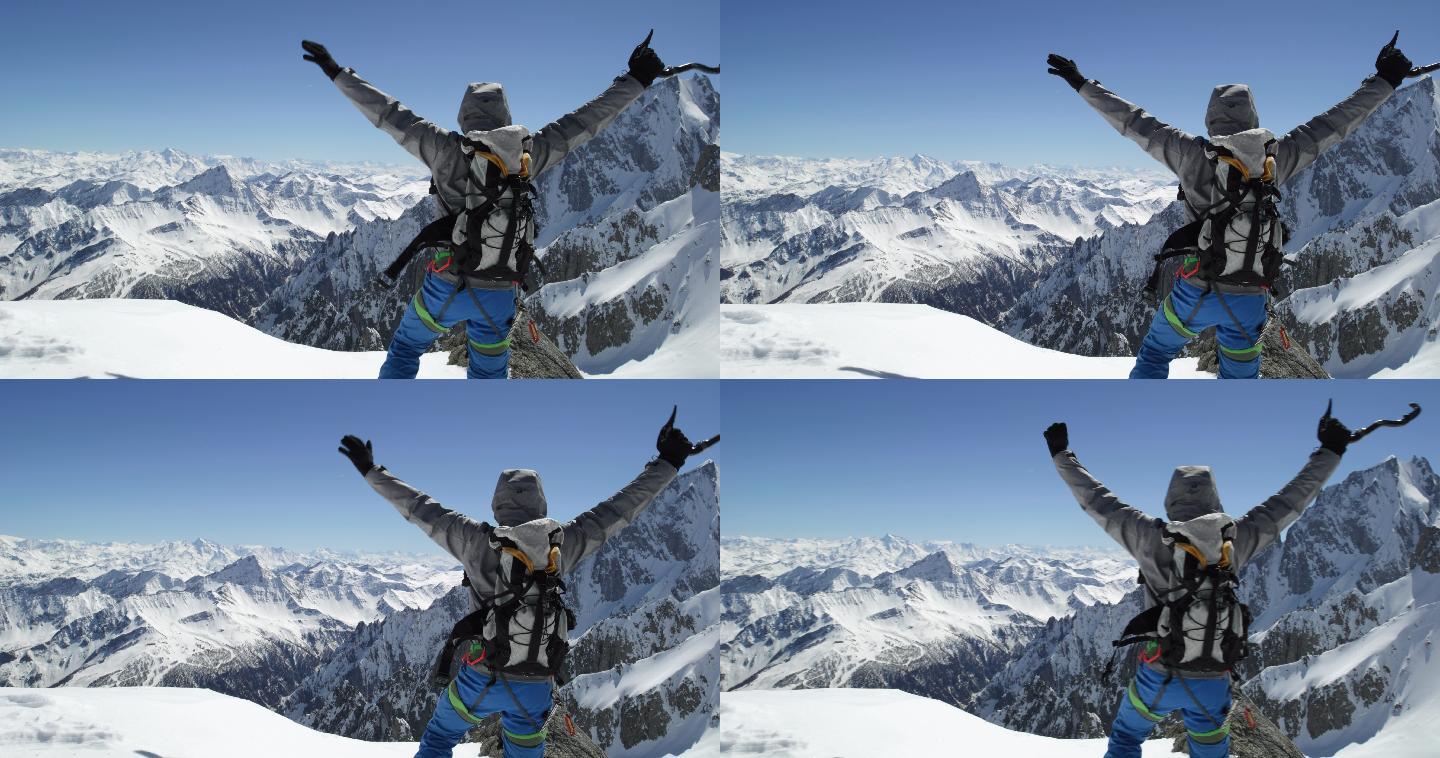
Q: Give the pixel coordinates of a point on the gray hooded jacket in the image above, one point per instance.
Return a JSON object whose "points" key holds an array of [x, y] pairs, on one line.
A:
{"points": [[519, 497], [1232, 110], [483, 109], [1192, 494]]}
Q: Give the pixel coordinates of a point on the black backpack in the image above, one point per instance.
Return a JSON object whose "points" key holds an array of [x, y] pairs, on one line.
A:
{"points": [[524, 627], [495, 230], [1239, 240], [1199, 624]]}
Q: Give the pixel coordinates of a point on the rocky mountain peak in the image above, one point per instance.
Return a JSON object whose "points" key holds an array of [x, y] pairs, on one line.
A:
{"points": [[935, 567], [964, 186], [215, 181], [247, 571]]}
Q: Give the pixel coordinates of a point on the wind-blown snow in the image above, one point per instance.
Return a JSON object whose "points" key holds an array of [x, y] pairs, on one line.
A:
{"points": [[163, 339], [887, 340], [846, 723], [161, 721]]}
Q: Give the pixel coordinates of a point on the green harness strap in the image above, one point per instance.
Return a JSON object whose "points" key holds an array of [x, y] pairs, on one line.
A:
{"points": [[1212, 737], [419, 304], [1176, 323], [492, 348], [1139, 704], [483, 348], [1244, 354], [534, 739], [453, 694]]}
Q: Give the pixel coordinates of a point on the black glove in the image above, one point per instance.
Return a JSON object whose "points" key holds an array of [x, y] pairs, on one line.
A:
{"points": [[1391, 64], [645, 65], [1332, 434], [1066, 69], [318, 55], [359, 453], [672, 444], [1057, 436]]}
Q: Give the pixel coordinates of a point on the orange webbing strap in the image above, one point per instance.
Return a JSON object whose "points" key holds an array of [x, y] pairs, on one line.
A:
{"points": [[504, 169], [552, 568], [520, 555], [1195, 551], [1238, 166]]}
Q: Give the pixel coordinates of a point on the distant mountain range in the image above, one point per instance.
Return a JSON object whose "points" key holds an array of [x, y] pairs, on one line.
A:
{"points": [[1345, 610], [1059, 257], [629, 236]]}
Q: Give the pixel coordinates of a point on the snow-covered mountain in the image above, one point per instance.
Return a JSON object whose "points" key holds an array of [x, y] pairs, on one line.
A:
{"points": [[1059, 258], [629, 231], [241, 620], [938, 619], [967, 238], [345, 643], [629, 228], [1343, 579], [644, 657], [215, 232], [1362, 295], [1345, 612]]}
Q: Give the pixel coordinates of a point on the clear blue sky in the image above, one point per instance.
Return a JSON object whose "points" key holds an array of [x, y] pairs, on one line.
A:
{"points": [[966, 461], [228, 78], [256, 462], [967, 80]]}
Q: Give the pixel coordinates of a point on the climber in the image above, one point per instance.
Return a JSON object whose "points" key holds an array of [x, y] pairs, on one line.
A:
{"points": [[481, 177], [515, 640], [1231, 247], [1194, 627]]}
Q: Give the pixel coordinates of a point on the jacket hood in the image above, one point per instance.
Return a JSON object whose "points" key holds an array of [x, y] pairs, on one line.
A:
{"points": [[519, 497], [484, 108], [1231, 110], [1192, 494]]}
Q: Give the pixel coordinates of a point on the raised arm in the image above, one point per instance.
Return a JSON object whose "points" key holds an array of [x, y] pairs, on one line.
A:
{"points": [[587, 533], [592, 528], [422, 139], [556, 140], [1129, 526], [457, 533], [1175, 148], [1303, 144], [1262, 525]]}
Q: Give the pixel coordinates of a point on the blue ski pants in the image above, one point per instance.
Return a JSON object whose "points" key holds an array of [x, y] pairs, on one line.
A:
{"points": [[523, 708], [1174, 326], [439, 305], [1203, 703]]}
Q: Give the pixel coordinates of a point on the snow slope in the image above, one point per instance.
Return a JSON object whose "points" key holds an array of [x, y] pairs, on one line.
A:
{"points": [[164, 339], [841, 723], [886, 340], [161, 721]]}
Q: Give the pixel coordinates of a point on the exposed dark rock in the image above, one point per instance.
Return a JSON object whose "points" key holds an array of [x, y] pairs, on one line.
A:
{"points": [[563, 741], [1281, 358], [529, 359], [1252, 735]]}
